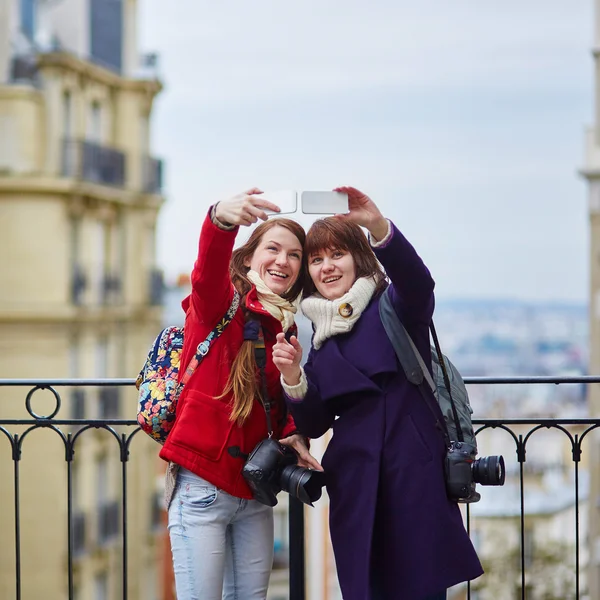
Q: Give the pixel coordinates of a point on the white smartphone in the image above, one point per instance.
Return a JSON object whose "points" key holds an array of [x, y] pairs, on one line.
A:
{"points": [[287, 200], [324, 203]]}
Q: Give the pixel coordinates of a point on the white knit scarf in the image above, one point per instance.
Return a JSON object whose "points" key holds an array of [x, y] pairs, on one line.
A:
{"points": [[279, 307], [326, 315]]}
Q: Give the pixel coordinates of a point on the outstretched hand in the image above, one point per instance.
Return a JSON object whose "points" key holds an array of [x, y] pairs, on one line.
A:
{"points": [[245, 209], [287, 357], [364, 212]]}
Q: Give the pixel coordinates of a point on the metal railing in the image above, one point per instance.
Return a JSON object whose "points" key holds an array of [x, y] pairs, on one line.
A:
{"points": [[93, 162], [113, 521]]}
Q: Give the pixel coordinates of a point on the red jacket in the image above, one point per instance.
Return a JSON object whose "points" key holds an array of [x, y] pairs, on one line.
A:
{"points": [[203, 433]]}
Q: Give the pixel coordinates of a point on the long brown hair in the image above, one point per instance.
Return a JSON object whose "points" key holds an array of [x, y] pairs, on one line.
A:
{"points": [[341, 234], [242, 380]]}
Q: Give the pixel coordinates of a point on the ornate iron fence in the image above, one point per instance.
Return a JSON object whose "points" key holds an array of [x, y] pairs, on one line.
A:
{"points": [[111, 513]]}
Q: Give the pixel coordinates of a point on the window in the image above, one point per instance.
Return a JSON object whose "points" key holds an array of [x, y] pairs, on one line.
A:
{"points": [[78, 274], [28, 14], [77, 394], [94, 124], [107, 32], [101, 247], [79, 520], [67, 115]]}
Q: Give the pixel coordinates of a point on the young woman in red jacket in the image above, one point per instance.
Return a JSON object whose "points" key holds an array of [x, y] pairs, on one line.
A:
{"points": [[222, 539]]}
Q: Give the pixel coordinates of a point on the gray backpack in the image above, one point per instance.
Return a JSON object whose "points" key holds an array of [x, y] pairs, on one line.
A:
{"points": [[446, 384]]}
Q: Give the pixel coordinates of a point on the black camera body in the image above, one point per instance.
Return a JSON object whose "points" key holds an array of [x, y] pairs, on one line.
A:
{"points": [[272, 467], [463, 470]]}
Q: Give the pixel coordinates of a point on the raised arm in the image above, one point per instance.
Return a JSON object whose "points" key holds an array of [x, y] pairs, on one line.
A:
{"points": [[412, 284], [211, 283]]}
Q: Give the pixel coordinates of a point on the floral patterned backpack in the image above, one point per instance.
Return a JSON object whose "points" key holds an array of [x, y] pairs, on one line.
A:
{"points": [[157, 383]]}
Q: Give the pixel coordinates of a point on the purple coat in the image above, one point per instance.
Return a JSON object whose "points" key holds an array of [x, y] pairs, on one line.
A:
{"points": [[395, 534]]}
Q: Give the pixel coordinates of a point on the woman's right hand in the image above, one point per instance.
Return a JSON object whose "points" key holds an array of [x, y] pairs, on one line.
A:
{"points": [[244, 209], [287, 357]]}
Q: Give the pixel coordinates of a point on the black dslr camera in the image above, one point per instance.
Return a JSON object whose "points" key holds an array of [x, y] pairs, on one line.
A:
{"points": [[464, 470], [271, 467]]}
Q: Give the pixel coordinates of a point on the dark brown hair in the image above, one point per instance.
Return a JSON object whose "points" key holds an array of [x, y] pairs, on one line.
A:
{"points": [[341, 234], [243, 380]]}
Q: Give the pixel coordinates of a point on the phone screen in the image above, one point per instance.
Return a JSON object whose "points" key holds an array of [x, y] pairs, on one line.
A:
{"points": [[287, 200], [324, 203]]}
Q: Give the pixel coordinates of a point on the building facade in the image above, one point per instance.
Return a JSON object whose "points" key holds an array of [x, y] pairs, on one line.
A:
{"points": [[80, 294], [591, 172]]}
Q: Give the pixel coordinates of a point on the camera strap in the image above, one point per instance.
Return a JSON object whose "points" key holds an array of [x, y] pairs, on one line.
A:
{"points": [[438, 349], [260, 355], [411, 361]]}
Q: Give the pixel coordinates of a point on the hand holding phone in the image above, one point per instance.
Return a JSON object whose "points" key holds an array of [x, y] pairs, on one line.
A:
{"points": [[286, 200], [364, 212]]}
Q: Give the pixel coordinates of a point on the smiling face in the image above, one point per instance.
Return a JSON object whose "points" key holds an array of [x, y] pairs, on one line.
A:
{"points": [[333, 272], [277, 259]]}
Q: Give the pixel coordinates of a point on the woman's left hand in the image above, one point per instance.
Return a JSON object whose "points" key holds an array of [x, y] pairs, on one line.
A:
{"points": [[364, 212], [305, 458]]}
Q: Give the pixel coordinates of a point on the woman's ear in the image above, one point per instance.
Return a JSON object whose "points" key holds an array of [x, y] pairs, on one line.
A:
{"points": [[247, 262]]}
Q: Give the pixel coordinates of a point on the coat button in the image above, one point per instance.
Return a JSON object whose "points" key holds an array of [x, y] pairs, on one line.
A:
{"points": [[345, 310]]}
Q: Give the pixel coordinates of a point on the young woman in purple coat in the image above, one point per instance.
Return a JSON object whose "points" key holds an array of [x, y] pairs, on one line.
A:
{"points": [[395, 534]]}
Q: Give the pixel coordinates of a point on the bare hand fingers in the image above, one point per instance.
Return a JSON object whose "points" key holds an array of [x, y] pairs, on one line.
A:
{"points": [[257, 212], [263, 203], [308, 460], [295, 343], [283, 362], [286, 353]]}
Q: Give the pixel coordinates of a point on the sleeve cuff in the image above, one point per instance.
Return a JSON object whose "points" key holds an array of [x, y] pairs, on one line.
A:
{"points": [[219, 224], [385, 240], [296, 392]]}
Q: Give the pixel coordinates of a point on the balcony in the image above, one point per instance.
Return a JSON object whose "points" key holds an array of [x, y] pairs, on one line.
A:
{"points": [[514, 511], [152, 175], [89, 161]]}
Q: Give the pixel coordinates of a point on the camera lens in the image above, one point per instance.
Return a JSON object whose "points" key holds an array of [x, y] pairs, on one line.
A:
{"points": [[489, 470], [301, 483]]}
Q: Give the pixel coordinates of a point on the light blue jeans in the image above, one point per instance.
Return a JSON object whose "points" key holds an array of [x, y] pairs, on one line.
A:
{"points": [[222, 545]]}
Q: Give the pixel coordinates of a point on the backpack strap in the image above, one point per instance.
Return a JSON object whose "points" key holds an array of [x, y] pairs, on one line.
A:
{"points": [[438, 349], [411, 361], [204, 347], [253, 331]]}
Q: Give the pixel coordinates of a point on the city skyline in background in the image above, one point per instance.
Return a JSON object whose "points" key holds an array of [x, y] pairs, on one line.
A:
{"points": [[464, 122]]}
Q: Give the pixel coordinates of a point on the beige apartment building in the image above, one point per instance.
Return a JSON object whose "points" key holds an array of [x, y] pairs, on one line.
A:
{"points": [[79, 291]]}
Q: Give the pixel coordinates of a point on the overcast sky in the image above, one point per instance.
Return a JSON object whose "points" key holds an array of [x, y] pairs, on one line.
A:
{"points": [[463, 120]]}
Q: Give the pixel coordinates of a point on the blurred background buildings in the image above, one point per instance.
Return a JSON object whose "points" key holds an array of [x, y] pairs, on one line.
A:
{"points": [[80, 294]]}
